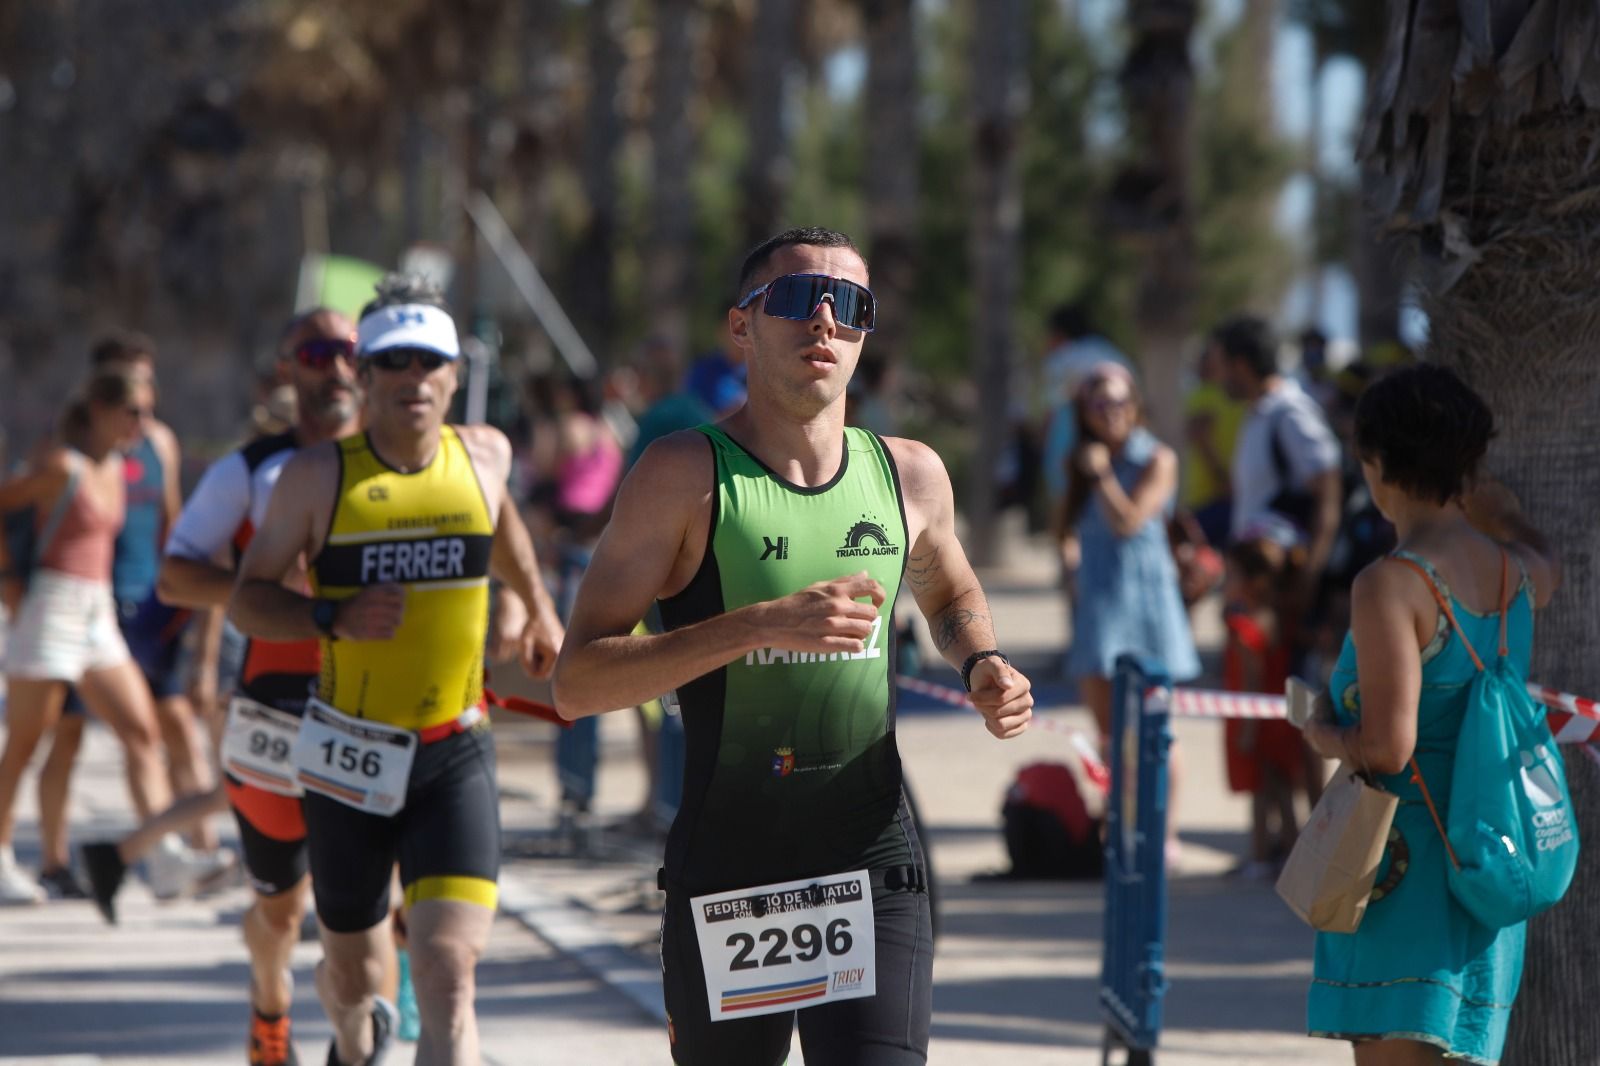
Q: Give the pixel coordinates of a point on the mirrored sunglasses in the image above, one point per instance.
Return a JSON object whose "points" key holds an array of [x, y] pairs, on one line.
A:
{"points": [[318, 353], [798, 296]]}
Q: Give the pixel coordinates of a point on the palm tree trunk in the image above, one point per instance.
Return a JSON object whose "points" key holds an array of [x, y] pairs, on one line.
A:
{"points": [[891, 160], [1000, 99], [1153, 198], [668, 271], [766, 172], [592, 299], [1483, 137], [544, 81], [1520, 326]]}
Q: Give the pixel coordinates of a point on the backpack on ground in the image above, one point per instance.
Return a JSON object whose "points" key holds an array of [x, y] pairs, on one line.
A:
{"points": [[1510, 830], [1049, 832]]}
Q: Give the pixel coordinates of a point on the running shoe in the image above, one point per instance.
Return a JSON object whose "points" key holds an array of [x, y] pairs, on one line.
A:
{"points": [[106, 872], [60, 883], [16, 887], [385, 1019], [174, 869], [269, 1041]]}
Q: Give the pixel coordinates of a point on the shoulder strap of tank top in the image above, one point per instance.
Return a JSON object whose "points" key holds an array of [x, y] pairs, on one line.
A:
{"points": [[1449, 612], [1444, 604], [58, 512]]}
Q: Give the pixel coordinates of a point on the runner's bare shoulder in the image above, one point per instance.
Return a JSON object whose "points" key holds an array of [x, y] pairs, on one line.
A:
{"points": [[309, 479], [922, 472], [485, 442]]}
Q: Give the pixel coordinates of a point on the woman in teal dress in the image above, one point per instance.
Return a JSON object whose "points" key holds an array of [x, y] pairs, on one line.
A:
{"points": [[1421, 981]]}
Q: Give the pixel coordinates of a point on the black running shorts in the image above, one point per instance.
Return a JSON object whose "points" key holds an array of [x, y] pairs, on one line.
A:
{"points": [[887, 1029], [446, 838]]}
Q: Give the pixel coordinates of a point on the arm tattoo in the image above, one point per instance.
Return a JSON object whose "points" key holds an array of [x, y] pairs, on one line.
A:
{"points": [[923, 570], [953, 623]]}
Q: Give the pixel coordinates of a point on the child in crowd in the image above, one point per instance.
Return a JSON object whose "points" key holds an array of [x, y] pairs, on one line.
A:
{"points": [[1266, 758]]}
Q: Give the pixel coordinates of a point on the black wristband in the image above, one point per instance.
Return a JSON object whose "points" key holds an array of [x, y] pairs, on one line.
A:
{"points": [[973, 660], [324, 613]]}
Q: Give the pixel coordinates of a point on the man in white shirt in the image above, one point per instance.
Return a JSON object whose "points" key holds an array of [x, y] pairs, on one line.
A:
{"points": [[1286, 461]]}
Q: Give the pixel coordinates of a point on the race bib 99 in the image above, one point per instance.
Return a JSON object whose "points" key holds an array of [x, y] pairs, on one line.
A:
{"points": [[257, 744], [786, 946]]}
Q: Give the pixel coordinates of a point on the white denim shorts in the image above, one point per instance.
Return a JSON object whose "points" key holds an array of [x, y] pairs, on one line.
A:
{"points": [[66, 628]]}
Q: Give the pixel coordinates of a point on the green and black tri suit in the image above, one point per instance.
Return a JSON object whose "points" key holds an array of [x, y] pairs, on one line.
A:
{"points": [[792, 769]]}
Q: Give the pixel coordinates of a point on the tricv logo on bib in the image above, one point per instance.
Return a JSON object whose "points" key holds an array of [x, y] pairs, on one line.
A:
{"points": [[848, 980]]}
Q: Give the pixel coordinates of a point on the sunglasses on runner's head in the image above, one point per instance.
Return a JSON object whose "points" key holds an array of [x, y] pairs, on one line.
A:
{"points": [[318, 353], [798, 296], [400, 359]]}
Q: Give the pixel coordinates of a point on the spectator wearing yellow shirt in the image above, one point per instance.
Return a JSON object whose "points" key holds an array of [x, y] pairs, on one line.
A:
{"points": [[1211, 426]]}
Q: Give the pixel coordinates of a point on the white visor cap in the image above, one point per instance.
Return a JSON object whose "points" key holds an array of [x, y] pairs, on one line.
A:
{"points": [[408, 326]]}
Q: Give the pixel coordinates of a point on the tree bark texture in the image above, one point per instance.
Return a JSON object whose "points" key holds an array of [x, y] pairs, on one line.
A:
{"points": [[1483, 125], [669, 272], [1152, 198], [891, 161], [769, 167], [999, 100]]}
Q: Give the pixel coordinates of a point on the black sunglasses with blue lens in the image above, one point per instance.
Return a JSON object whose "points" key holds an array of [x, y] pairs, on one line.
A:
{"points": [[400, 359], [798, 296]]}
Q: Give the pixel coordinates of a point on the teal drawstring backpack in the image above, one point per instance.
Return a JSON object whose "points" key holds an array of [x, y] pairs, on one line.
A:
{"points": [[1511, 833]]}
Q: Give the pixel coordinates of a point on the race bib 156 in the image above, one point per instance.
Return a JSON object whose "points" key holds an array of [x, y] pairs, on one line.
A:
{"points": [[360, 763]]}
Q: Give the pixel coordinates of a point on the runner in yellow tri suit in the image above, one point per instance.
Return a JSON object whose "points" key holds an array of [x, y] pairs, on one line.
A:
{"points": [[431, 533], [402, 526]]}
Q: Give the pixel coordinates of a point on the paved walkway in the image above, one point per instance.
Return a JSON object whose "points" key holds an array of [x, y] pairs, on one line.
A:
{"points": [[1015, 978]]}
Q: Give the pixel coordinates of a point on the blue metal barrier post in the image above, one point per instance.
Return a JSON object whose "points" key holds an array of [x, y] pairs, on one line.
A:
{"points": [[1133, 978], [577, 748]]}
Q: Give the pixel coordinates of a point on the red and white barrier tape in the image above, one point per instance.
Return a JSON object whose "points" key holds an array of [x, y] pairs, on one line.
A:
{"points": [[1573, 719], [1088, 754]]}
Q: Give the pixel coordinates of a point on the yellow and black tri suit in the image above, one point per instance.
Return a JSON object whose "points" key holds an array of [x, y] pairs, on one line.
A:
{"points": [[431, 532]]}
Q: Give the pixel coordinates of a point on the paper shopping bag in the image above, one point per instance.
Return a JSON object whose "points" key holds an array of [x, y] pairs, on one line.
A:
{"points": [[1330, 872]]}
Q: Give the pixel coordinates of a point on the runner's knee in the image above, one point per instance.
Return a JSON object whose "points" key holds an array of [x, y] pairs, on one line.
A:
{"points": [[351, 978], [443, 969], [281, 914]]}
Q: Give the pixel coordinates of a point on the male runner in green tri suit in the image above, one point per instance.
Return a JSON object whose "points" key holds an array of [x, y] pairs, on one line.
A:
{"points": [[776, 542]]}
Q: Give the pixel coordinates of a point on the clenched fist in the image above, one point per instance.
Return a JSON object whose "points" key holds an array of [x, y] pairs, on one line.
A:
{"points": [[825, 617], [374, 613], [1003, 696]]}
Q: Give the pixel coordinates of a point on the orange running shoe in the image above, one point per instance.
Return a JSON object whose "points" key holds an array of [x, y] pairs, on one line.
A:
{"points": [[269, 1041]]}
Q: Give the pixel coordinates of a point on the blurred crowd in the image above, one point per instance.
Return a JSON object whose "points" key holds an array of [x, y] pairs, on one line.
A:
{"points": [[1261, 504]]}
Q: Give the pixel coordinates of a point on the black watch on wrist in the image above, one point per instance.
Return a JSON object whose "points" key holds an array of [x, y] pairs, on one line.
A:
{"points": [[974, 659], [323, 614]]}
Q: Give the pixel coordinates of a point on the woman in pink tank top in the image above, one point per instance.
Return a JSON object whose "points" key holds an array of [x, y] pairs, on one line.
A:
{"points": [[64, 630], [577, 460]]}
